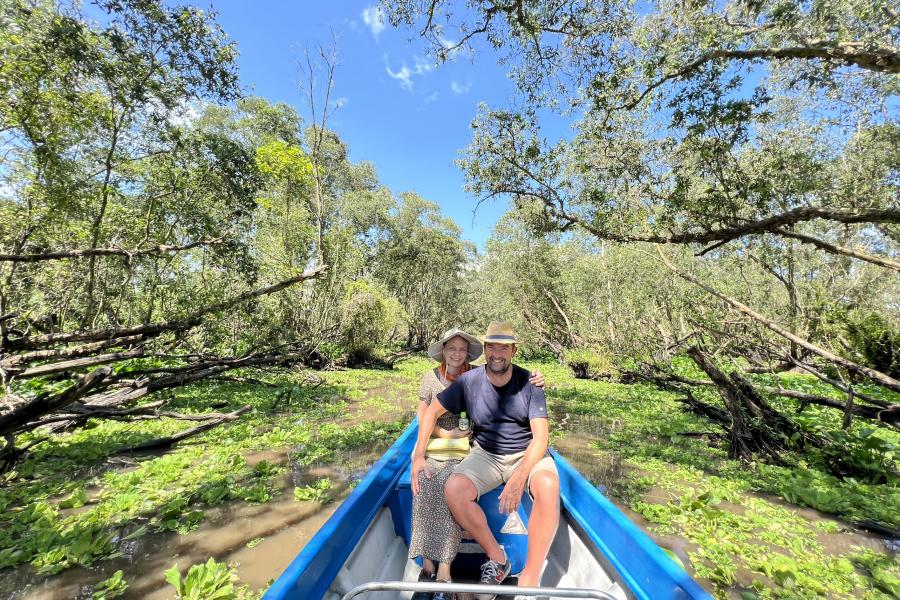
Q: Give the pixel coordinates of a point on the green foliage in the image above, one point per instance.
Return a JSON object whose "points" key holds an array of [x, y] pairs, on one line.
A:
{"points": [[210, 581], [884, 571], [687, 487], [111, 587], [864, 454], [849, 498], [369, 316], [873, 338], [587, 363], [319, 492], [422, 263]]}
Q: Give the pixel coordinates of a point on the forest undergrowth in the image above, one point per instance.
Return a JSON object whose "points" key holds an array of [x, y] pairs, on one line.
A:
{"points": [[747, 527], [745, 530]]}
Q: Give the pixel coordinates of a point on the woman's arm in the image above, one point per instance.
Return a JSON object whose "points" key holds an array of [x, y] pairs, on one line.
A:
{"points": [[420, 411]]}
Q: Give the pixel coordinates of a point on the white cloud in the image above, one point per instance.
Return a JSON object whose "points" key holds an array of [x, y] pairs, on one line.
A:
{"points": [[405, 74], [431, 98], [459, 89], [373, 17], [422, 65]]}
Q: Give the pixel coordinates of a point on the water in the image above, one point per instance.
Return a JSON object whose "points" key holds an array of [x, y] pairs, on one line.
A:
{"points": [[285, 525]]}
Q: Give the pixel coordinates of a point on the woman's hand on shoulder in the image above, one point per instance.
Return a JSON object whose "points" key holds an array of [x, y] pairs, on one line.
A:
{"points": [[537, 379]]}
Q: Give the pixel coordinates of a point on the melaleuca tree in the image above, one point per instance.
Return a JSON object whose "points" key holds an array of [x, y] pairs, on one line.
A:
{"points": [[129, 216], [749, 132], [422, 261]]}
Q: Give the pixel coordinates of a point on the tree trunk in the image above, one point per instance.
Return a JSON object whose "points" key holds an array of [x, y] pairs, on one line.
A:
{"points": [[755, 426]]}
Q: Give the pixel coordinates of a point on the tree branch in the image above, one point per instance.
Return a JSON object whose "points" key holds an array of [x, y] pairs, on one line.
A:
{"points": [[877, 376], [835, 249], [42, 405], [114, 251], [155, 329], [166, 442]]}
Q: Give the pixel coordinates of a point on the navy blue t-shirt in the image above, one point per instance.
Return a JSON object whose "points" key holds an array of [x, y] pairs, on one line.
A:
{"points": [[500, 415]]}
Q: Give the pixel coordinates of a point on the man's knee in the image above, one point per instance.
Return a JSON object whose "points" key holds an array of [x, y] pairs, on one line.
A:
{"points": [[544, 485], [459, 488]]}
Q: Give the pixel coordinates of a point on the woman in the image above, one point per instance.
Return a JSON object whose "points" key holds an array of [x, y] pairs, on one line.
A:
{"points": [[435, 534]]}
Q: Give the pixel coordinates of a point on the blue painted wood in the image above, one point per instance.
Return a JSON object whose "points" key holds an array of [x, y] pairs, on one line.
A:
{"points": [[645, 569], [642, 566], [309, 575]]}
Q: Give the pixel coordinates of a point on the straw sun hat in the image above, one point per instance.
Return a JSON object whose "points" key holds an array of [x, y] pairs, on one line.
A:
{"points": [[499, 333], [436, 350]]}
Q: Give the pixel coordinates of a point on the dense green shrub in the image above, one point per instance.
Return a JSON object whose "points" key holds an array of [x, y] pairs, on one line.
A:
{"points": [[369, 316], [587, 363], [876, 340]]}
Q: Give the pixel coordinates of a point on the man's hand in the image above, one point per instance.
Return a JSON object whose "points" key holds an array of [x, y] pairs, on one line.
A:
{"points": [[536, 379], [511, 495], [418, 466]]}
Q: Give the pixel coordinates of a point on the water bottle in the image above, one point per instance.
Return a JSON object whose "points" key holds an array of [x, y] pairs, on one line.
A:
{"points": [[463, 421]]}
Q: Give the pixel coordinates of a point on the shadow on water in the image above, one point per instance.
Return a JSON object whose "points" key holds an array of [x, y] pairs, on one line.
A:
{"points": [[606, 470]]}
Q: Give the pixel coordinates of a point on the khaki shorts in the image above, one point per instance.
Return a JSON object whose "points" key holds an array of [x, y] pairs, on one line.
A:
{"points": [[488, 471]]}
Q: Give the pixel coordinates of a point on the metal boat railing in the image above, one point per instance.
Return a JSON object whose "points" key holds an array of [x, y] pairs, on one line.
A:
{"points": [[475, 588]]}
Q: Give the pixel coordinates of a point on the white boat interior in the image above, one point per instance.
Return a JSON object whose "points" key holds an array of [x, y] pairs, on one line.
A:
{"points": [[381, 555]]}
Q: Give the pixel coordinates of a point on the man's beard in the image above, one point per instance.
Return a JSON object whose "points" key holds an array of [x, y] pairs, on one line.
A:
{"points": [[497, 369]]}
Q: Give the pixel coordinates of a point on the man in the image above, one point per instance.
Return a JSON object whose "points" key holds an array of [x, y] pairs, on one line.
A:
{"points": [[510, 438]]}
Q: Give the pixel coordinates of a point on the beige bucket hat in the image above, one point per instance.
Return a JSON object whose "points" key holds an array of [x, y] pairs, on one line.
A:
{"points": [[500, 333], [436, 350]]}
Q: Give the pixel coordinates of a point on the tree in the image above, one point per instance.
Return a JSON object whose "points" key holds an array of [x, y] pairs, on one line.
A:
{"points": [[744, 131], [131, 211], [422, 261]]}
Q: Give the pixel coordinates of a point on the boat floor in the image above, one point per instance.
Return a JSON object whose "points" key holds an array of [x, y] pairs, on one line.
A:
{"points": [[382, 556]]}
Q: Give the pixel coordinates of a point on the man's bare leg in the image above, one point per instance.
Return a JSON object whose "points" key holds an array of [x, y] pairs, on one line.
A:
{"points": [[460, 495], [541, 525]]}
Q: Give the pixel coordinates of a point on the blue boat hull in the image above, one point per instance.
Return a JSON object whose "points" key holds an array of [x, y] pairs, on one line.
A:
{"points": [[632, 559]]}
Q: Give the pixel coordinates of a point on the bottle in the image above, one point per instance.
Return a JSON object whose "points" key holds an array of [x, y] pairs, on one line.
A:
{"points": [[463, 421]]}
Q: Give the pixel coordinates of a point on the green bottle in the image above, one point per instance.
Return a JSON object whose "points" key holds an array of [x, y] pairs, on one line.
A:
{"points": [[463, 421]]}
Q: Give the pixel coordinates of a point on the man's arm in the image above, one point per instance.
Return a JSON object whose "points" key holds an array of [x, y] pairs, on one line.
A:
{"points": [[515, 487], [427, 421]]}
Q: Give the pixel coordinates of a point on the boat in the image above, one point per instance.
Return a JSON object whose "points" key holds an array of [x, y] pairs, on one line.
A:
{"points": [[361, 551]]}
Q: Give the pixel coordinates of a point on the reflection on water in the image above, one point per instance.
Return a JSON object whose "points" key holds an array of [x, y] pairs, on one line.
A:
{"points": [[603, 469]]}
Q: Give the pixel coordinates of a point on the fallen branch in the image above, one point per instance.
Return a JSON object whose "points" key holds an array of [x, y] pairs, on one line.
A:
{"points": [[16, 360], [838, 385], [78, 363], [877, 376], [883, 411], [171, 440], [42, 405], [155, 329]]}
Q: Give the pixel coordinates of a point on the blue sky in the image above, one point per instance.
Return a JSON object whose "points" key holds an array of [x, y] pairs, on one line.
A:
{"points": [[400, 111]]}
